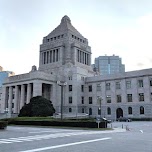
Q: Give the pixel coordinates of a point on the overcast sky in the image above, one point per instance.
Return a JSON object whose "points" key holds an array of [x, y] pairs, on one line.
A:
{"points": [[120, 27]]}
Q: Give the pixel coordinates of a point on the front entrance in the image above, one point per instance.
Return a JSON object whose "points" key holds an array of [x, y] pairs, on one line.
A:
{"points": [[119, 113]]}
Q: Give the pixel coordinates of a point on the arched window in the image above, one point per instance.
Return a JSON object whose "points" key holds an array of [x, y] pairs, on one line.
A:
{"points": [[130, 110], [90, 111], [142, 110], [109, 111], [70, 109]]}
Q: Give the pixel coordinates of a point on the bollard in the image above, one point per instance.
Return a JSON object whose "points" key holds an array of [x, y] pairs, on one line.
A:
{"points": [[122, 126]]}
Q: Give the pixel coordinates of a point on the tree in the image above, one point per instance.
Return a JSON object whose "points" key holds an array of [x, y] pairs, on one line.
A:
{"points": [[38, 107]]}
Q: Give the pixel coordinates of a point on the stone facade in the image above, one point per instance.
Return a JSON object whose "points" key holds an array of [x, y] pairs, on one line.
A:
{"points": [[65, 56]]}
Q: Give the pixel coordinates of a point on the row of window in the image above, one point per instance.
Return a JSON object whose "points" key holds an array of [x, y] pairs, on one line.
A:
{"points": [[130, 111], [129, 98], [82, 86], [77, 38], [55, 38], [108, 98], [118, 85]]}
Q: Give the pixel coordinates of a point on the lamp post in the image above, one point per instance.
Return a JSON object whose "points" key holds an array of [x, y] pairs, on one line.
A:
{"points": [[62, 84]]}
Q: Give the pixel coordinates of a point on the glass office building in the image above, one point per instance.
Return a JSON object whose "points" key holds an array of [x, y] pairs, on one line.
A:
{"points": [[109, 65]]}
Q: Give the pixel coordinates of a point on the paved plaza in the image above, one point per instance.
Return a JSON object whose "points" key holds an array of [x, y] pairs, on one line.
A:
{"points": [[137, 138]]}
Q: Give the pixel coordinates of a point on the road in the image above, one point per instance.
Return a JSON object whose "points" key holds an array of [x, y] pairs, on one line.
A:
{"points": [[137, 138]]}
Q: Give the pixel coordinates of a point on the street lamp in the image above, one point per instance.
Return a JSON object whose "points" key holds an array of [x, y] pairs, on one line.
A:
{"points": [[62, 84], [99, 98]]}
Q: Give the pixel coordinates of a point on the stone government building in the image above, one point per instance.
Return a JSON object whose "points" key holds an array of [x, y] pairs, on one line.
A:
{"points": [[66, 56]]}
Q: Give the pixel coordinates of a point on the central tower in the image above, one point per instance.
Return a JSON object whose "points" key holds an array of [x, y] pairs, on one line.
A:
{"points": [[65, 54], [64, 45]]}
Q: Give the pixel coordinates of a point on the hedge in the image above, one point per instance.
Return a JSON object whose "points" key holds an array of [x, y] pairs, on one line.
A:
{"points": [[61, 123], [3, 124]]}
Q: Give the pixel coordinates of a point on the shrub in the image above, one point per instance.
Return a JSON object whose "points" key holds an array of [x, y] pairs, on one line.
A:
{"points": [[3, 124], [38, 107]]}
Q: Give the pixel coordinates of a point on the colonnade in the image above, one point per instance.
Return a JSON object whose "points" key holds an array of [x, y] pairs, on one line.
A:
{"points": [[50, 56], [83, 57], [16, 96]]}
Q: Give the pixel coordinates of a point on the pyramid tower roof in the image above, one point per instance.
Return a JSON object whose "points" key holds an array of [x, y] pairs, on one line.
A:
{"points": [[64, 26]]}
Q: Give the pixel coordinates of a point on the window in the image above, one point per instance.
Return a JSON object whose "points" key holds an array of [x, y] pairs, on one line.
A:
{"points": [[130, 110], [90, 88], [90, 111], [70, 77], [128, 84], [118, 98], [118, 85], [82, 100], [129, 97], [98, 87], [107, 86], [108, 111], [82, 110], [70, 109], [142, 110], [141, 96], [70, 99], [13, 96], [108, 99], [82, 78], [82, 88], [90, 100], [150, 82], [140, 83], [12, 105], [70, 87]]}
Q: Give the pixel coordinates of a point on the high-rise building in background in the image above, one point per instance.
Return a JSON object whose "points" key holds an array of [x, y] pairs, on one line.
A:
{"points": [[108, 65], [4, 75]]}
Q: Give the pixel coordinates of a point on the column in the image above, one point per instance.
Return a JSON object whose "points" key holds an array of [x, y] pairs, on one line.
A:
{"points": [[10, 99], [16, 110], [37, 89], [49, 57], [46, 57], [4, 99], [22, 95], [83, 58], [52, 55], [55, 54], [28, 93], [89, 59]]}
